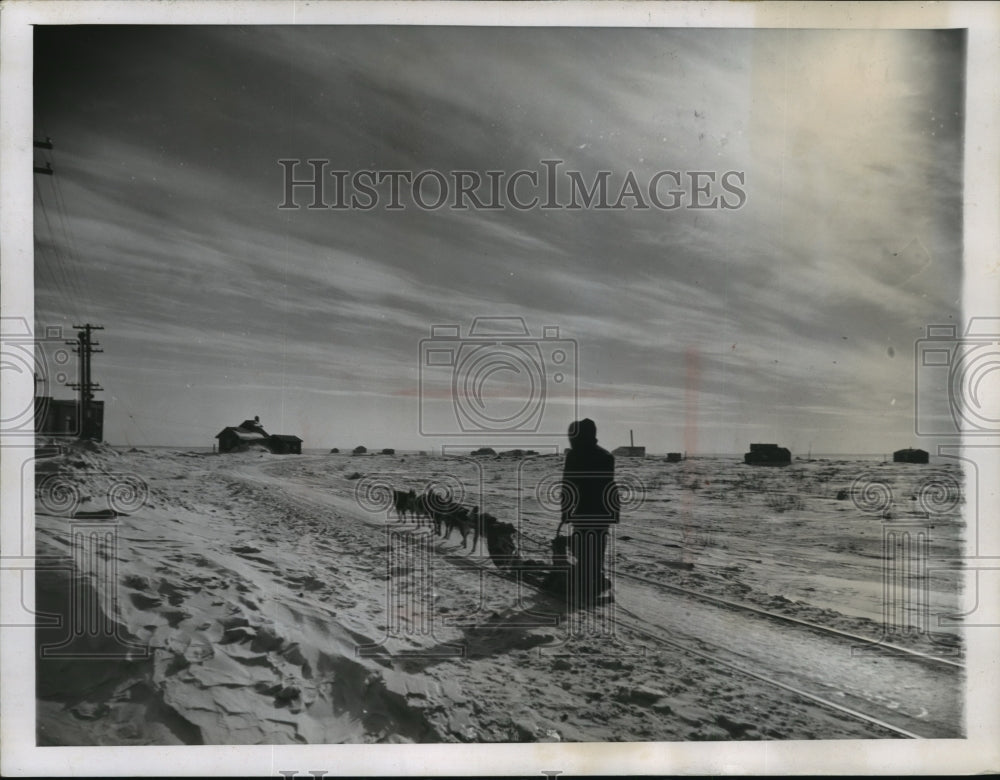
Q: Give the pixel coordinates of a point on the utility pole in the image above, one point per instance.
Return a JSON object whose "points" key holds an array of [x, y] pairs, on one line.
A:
{"points": [[84, 348], [46, 144]]}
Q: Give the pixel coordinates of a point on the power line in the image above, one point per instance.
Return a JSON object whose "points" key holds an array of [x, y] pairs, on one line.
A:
{"points": [[57, 269], [64, 268], [75, 256]]}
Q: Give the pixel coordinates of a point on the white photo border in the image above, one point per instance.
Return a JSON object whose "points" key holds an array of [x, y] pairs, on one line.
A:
{"points": [[979, 752]]}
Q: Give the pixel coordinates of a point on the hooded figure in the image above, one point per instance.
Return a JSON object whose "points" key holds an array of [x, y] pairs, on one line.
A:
{"points": [[589, 491], [590, 503]]}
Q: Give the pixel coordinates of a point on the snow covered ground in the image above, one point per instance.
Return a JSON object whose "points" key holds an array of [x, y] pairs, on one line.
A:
{"points": [[256, 598]]}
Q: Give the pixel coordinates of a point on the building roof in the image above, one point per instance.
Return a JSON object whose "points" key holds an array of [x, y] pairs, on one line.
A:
{"points": [[285, 437], [252, 425], [242, 433]]}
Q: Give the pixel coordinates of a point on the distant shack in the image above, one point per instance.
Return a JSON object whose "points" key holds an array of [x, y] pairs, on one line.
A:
{"points": [[767, 455], [631, 451], [910, 455], [285, 444], [674, 457], [250, 433]]}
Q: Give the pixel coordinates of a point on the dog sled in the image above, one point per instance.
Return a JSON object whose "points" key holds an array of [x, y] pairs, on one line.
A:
{"points": [[561, 577]]}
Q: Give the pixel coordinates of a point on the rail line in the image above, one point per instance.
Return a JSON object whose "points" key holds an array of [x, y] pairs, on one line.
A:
{"points": [[635, 624], [854, 713], [868, 641], [816, 627]]}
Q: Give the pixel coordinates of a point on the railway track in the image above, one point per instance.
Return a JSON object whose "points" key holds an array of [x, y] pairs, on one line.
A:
{"points": [[857, 714], [893, 723], [865, 641]]}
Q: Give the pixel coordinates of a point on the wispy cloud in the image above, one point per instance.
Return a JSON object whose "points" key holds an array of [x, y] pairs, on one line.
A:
{"points": [[167, 231]]}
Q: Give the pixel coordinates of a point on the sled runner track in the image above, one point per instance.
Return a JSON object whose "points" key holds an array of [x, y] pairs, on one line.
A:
{"points": [[857, 714], [633, 624], [867, 641]]}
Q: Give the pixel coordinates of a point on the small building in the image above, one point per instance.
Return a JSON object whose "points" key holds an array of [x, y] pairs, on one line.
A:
{"points": [[674, 457], [236, 438], [910, 455], [767, 455], [250, 433], [285, 444], [61, 417], [631, 451]]}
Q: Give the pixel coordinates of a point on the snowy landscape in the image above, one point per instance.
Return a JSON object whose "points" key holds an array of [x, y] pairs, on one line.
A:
{"points": [[251, 597]]}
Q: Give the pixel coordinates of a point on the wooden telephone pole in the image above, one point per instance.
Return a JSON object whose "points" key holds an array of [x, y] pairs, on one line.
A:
{"points": [[84, 347], [46, 144]]}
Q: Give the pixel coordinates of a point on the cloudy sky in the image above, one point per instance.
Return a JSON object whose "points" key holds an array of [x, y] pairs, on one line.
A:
{"points": [[791, 319]]}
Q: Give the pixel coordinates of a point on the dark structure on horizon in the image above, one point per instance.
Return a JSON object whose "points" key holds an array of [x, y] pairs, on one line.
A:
{"points": [[630, 451], [673, 457], [83, 417], [767, 455], [910, 455], [61, 417], [250, 433]]}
